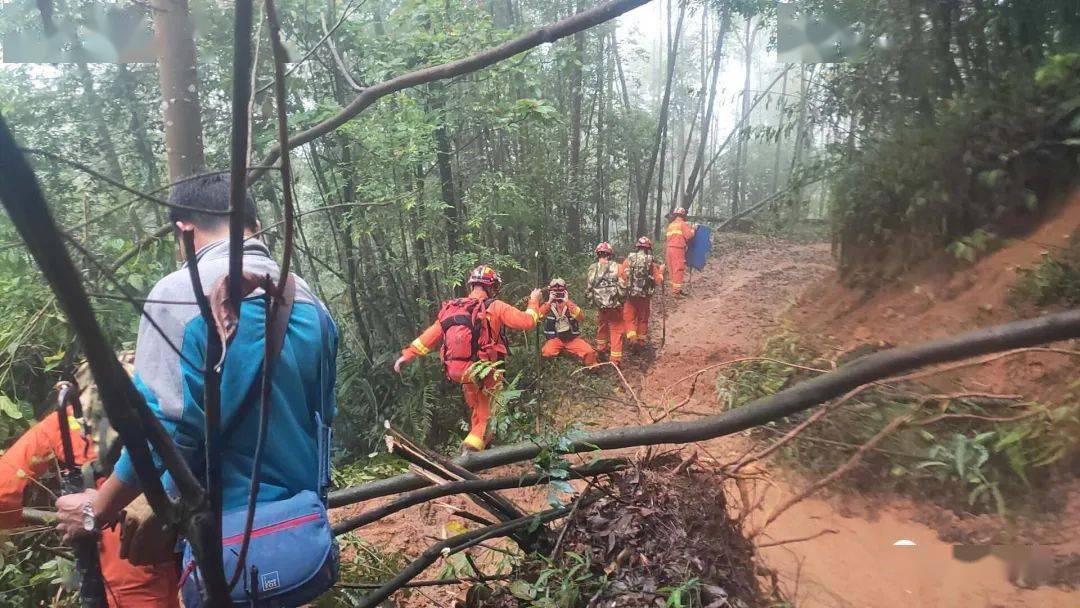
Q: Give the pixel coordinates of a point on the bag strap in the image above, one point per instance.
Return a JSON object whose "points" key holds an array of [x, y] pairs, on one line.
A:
{"points": [[276, 341]]}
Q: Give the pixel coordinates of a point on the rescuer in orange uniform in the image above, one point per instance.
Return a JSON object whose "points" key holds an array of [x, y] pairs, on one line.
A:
{"points": [[470, 330], [678, 234], [606, 291], [562, 319], [32, 455], [641, 274]]}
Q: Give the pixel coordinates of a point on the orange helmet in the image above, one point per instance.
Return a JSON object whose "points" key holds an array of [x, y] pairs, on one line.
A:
{"points": [[603, 248], [644, 243], [679, 212], [486, 276]]}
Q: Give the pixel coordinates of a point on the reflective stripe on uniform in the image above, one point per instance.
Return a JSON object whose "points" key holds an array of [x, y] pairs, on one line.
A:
{"points": [[474, 442], [419, 347], [535, 316], [631, 334], [673, 233]]}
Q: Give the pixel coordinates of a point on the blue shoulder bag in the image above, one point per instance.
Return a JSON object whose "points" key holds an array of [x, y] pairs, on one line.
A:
{"points": [[292, 555]]}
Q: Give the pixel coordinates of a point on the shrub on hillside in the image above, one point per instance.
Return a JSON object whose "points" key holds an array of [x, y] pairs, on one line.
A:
{"points": [[1054, 280], [991, 159]]}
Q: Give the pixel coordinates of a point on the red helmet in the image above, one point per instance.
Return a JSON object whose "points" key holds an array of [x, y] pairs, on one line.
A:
{"points": [[679, 211], [603, 248], [486, 276], [644, 243]]}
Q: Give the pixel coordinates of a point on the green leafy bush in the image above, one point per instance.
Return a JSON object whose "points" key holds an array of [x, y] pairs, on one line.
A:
{"points": [[978, 166], [1055, 279]]}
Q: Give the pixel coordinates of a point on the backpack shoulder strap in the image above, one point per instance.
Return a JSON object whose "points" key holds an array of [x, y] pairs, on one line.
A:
{"points": [[275, 341]]}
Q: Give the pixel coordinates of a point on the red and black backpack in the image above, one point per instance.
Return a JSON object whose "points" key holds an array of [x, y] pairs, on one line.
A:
{"points": [[466, 335]]}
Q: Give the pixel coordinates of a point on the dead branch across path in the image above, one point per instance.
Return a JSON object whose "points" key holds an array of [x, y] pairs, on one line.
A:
{"points": [[456, 545], [815, 391], [423, 495], [433, 582]]}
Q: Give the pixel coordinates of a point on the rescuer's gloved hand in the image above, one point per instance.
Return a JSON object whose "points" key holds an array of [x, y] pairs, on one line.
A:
{"points": [[145, 538]]}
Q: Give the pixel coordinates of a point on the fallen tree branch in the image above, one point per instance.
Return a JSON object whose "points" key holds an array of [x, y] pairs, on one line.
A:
{"points": [[789, 541], [454, 545], [557, 550], [497, 505], [432, 582], [423, 495], [844, 469], [883, 364], [541, 35], [641, 407], [38, 516]]}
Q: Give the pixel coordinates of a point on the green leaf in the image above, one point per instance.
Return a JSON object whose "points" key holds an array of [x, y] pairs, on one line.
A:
{"points": [[10, 408], [522, 590]]}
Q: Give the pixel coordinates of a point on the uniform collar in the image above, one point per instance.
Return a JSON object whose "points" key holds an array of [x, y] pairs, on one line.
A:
{"points": [[220, 249]]}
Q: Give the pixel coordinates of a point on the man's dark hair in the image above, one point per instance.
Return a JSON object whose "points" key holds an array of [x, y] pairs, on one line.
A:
{"points": [[209, 191]]}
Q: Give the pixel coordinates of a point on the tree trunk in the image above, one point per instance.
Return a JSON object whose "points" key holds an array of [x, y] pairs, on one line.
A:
{"points": [[696, 173], [741, 139], [443, 152], [573, 198], [602, 109], [661, 127], [140, 135], [174, 37], [635, 188], [779, 136]]}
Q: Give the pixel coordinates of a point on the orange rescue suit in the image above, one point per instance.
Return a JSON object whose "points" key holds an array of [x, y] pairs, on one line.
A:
{"points": [[637, 309], [678, 235], [125, 584], [609, 321], [575, 346], [478, 395]]}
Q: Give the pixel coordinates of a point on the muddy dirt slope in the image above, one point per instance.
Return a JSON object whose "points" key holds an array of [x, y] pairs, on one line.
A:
{"points": [[744, 296]]}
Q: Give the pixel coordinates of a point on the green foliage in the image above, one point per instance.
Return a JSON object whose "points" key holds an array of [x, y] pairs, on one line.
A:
{"points": [[15, 418], [978, 167], [972, 463], [376, 466], [560, 585], [1054, 280], [964, 459], [970, 247], [683, 596], [31, 575], [361, 562], [551, 460], [746, 381]]}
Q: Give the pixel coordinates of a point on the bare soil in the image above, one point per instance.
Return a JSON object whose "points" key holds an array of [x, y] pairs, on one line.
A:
{"points": [[741, 299], [752, 287]]}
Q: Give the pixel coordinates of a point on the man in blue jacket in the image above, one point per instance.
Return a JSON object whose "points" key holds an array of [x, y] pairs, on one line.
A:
{"points": [[302, 404]]}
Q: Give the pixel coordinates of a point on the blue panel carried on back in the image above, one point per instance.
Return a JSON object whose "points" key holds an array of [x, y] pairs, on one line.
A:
{"points": [[700, 246]]}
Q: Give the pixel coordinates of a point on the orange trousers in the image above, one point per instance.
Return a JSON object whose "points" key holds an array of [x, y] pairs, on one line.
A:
{"points": [[576, 346], [609, 331], [676, 263], [478, 398], [127, 585], [636, 313]]}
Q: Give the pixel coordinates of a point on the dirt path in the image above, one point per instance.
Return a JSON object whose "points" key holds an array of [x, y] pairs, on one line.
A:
{"points": [[734, 305]]}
